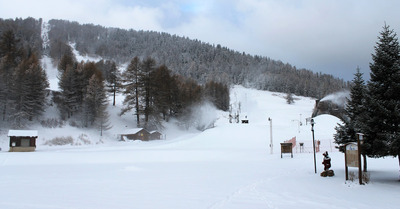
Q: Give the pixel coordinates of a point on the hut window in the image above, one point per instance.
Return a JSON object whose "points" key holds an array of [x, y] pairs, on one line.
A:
{"points": [[13, 144], [25, 143]]}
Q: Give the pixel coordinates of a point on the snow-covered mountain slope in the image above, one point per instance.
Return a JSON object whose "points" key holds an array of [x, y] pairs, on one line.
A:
{"points": [[51, 70], [228, 166]]}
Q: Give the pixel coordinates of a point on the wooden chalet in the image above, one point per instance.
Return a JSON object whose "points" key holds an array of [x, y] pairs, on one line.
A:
{"points": [[22, 140], [136, 134], [155, 135], [140, 134]]}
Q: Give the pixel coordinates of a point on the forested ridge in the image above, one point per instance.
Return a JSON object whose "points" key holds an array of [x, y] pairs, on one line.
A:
{"points": [[189, 58], [165, 75], [193, 59]]}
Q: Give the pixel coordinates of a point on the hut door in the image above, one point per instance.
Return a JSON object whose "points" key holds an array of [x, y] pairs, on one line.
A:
{"points": [[25, 142]]}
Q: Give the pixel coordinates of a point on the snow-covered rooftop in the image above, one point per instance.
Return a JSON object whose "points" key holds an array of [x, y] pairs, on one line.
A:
{"points": [[132, 131], [27, 133]]}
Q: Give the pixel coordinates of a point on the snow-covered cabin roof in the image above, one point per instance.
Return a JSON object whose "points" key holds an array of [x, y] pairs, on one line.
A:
{"points": [[132, 131], [152, 132], [21, 133]]}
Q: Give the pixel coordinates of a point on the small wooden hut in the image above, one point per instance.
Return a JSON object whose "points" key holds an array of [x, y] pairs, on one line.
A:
{"points": [[22, 140], [136, 134], [155, 135]]}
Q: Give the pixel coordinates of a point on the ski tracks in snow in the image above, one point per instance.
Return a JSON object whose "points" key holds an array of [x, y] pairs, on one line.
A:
{"points": [[250, 196]]}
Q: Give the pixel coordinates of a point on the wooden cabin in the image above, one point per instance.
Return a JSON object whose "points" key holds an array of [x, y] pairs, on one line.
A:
{"points": [[136, 134], [22, 140], [155, 135]]}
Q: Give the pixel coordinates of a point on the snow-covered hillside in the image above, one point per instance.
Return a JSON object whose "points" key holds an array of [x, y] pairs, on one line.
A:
{"points": [[228, 166]]}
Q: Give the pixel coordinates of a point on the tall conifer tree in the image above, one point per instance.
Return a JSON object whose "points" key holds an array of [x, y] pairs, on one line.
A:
{"points": [[162, 83], [382, 122], [132, 86], [354, 110], [10, 57], [113, 81], [28, 91], [148, 66], [95, 103], [68, 84]]}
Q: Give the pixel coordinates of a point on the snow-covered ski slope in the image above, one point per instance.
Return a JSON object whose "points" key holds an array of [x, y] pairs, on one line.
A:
{"points": [[226, 167]]}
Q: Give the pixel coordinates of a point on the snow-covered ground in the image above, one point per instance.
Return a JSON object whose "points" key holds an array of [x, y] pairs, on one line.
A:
{"points": [[229, 166]]}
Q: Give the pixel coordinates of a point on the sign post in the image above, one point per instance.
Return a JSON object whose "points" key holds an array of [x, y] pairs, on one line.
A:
{"points": [[359, 140], [270, 132], [352, 157], [313, 140]]}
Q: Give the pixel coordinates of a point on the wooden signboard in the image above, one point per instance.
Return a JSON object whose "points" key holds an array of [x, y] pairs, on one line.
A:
{"points": [[286, 148], [353, 159], [352, 155]]}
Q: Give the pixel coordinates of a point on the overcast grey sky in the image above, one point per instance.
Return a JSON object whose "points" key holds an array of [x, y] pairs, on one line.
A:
{"points": [[328, 36]]}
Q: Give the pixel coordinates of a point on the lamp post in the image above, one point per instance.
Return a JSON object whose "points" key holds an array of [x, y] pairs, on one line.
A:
{"points": [[312, 130], [270, 134], [359, 141]]}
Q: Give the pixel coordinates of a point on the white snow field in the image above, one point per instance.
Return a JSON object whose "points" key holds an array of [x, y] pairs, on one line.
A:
{"points": [[229, 166]]}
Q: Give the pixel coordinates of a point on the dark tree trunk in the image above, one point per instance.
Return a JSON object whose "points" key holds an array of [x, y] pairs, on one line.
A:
{"points": [[365, 163], [114, 97]]}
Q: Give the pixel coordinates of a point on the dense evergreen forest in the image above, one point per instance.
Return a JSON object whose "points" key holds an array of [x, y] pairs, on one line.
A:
{"points": [[193, 59], [23, 81], [165, 75]]}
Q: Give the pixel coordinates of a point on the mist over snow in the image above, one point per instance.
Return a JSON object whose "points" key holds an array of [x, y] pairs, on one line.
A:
{"points": [[203, 115], [338, 98]]}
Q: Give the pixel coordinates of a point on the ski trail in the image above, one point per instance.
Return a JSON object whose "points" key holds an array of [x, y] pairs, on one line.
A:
{"points": [[45, 34], [248, 194]]}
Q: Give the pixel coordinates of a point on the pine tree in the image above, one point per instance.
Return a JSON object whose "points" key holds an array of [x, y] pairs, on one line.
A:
{"points": [[132, 86], [10, 50], [162, 83], [176, 103], [68, 84], [95, 103], [28, 91], [85, 71], [382, 120], [18, 112], [113, 81], [218, 94], [354, 111], [150, 117], [67, 60], [289, 98], [73, 84], [102, 121], [10, 57], [36, 82]]}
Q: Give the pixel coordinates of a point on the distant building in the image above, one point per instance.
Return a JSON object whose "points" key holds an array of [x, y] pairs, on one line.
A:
{"points": [[244, 119], [155, 135], [22, 140], [136, 134], [140, 134]]}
